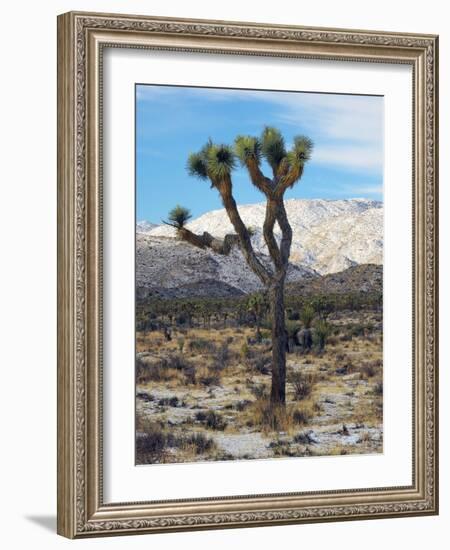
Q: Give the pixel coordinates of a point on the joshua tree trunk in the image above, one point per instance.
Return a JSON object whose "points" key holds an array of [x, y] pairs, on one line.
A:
{"points": [[279, 343], [274, 282], [258, 329]]}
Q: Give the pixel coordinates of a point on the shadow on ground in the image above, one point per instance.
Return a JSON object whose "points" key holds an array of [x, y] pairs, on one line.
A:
{"points": [[46, 522]]}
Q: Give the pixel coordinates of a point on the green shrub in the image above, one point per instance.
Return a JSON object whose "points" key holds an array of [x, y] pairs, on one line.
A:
{"points": [[245, 351], [292, 327], [307, 316], [180, 343], [322, 329]]}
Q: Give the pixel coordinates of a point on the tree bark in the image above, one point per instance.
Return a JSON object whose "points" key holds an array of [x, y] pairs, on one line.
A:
{"points": [[192, 238], [272, 208], [279, 343], [244, 237]]}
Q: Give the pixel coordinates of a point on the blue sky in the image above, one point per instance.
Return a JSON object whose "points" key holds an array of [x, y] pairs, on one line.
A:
{"points": [[171, 122]]}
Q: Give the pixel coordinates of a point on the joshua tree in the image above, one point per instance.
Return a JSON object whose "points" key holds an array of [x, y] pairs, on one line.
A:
{"points": [[257, 306], [216, 163]]}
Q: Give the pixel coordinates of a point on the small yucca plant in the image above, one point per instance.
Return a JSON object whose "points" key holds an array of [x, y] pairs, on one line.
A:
{"points": [[179, 216], [322, 330]]}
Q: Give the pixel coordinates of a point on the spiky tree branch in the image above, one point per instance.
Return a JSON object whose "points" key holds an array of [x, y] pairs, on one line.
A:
{"points": [[294, 163], [248, 150], [216, 162], [287, 169]]}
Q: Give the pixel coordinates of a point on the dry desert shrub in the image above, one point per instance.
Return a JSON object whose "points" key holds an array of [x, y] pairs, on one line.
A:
{"points": [[201, 345], [302, 384], [153, 444], [201, 443], [211, 420], [378, 388]]}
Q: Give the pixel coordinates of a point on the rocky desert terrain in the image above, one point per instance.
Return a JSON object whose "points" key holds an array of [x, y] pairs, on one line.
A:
{"points": [[203, 367]]}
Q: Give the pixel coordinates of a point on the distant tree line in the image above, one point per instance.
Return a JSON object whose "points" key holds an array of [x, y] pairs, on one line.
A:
{"points": [[251, 310]]}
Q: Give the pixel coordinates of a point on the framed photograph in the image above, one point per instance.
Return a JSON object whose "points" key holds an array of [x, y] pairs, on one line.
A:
{"points": [[247, 277]]}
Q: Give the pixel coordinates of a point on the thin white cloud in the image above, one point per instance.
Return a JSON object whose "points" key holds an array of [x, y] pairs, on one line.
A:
{"points": [[368, 189], [166, 93], [333, 116], [352, 190], [350, 156]]}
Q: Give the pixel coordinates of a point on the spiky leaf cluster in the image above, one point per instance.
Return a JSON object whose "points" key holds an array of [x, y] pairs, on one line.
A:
{"points": [[257, 302], [272, 147], [179, 216], [196, 166], [221, 161], [213, 161], [247, 148], [300, 152]]}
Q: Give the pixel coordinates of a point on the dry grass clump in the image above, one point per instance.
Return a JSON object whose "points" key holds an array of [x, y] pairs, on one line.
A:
{"points": [[369, 411], [259, 391], [159, 369], [256, 359], [260, 363], [151, 444], [224, 356], [207, 376], [241, 405], [365, 438], [369, 369], [303, 415], [200, 443], [268, 417], [337, 450]]}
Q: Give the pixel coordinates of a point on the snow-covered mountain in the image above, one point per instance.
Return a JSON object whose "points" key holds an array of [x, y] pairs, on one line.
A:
{"points": [[168, 267], [328, 235], [145, 227]]}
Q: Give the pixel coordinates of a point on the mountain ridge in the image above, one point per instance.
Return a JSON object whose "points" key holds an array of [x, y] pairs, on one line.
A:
{"points": [[328, 235]]}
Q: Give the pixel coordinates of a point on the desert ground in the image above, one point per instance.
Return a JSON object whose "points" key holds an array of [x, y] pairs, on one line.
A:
{"points": [[202, 387]]}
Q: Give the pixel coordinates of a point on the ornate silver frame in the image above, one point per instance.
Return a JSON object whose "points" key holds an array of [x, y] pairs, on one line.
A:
{"points": [[81, 39]]}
